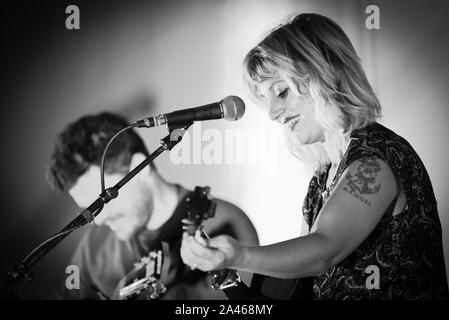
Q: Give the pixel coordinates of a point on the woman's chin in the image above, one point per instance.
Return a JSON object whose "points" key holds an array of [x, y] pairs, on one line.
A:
{"points": [[295, 146]]}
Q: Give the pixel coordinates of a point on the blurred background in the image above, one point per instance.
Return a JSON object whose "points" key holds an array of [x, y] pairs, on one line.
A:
{"points": [[142, 58]]}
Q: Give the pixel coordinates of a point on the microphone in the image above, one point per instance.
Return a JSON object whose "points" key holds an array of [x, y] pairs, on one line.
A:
{"points": [[230, 108]]}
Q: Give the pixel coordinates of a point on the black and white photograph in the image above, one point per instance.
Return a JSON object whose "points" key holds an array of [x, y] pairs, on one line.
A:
{"points": [[224, 154]]}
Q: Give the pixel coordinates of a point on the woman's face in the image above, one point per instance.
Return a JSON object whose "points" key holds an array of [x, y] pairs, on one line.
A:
{"points": [[293, 110]]}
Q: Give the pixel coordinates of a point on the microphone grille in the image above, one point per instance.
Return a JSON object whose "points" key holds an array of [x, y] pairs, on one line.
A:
{"points": [[233, 108]]}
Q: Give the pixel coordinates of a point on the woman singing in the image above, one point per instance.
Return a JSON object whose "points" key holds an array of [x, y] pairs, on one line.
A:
{"points": [[370, 206]]}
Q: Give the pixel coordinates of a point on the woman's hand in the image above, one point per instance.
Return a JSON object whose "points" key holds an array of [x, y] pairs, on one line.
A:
{"points": [[217, 253]]}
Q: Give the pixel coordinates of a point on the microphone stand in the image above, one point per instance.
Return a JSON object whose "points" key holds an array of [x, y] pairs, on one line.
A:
{"points": [[22, 270]]}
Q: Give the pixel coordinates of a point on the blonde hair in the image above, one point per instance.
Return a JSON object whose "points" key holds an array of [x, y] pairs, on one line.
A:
{"points": [[313, 52]]}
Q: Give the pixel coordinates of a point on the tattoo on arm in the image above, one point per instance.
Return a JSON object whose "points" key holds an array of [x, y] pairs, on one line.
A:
{"points": [[364, 180]]}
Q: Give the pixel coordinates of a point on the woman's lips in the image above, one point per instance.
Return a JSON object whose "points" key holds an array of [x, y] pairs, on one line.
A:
{"points": [[291, 122]]}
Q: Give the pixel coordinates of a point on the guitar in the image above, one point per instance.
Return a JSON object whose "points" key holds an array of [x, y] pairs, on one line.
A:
{"points": [[200, 207]]}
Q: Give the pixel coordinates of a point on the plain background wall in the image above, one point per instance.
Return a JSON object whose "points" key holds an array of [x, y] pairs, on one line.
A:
{"points": [[141, 58]]}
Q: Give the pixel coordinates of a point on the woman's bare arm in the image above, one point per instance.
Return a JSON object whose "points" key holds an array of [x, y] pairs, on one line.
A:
{"points": [[363, 193]]}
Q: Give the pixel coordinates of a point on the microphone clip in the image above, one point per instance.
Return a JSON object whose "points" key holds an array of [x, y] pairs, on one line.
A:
{"points": [[175, 134]]}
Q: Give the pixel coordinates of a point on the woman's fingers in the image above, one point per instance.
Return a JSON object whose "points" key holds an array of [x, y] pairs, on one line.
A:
{"points": [[197, 255], [199, 249], [201, 240], [219, 242]]}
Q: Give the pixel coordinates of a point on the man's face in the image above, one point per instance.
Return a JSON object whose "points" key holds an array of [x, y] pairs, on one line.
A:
{"points": [[127, 213]]}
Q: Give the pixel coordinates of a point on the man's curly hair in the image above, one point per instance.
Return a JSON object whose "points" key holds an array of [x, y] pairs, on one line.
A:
{"points": [[81, 144]]}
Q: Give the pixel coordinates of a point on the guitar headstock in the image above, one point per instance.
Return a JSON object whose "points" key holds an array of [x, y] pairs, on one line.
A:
{"points": [[199, 207]]}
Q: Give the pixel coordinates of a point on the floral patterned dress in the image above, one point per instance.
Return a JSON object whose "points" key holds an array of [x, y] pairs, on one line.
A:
{"points": [[404, 250]]}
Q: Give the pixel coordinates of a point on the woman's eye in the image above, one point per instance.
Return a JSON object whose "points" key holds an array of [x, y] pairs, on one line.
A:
{"points": [[283, 93]]}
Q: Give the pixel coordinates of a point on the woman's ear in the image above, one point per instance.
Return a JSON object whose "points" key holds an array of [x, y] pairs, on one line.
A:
{"points": [[136, 159]]}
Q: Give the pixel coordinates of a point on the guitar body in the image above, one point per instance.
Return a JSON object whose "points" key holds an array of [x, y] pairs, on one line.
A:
{"points": [[283, 289]]}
